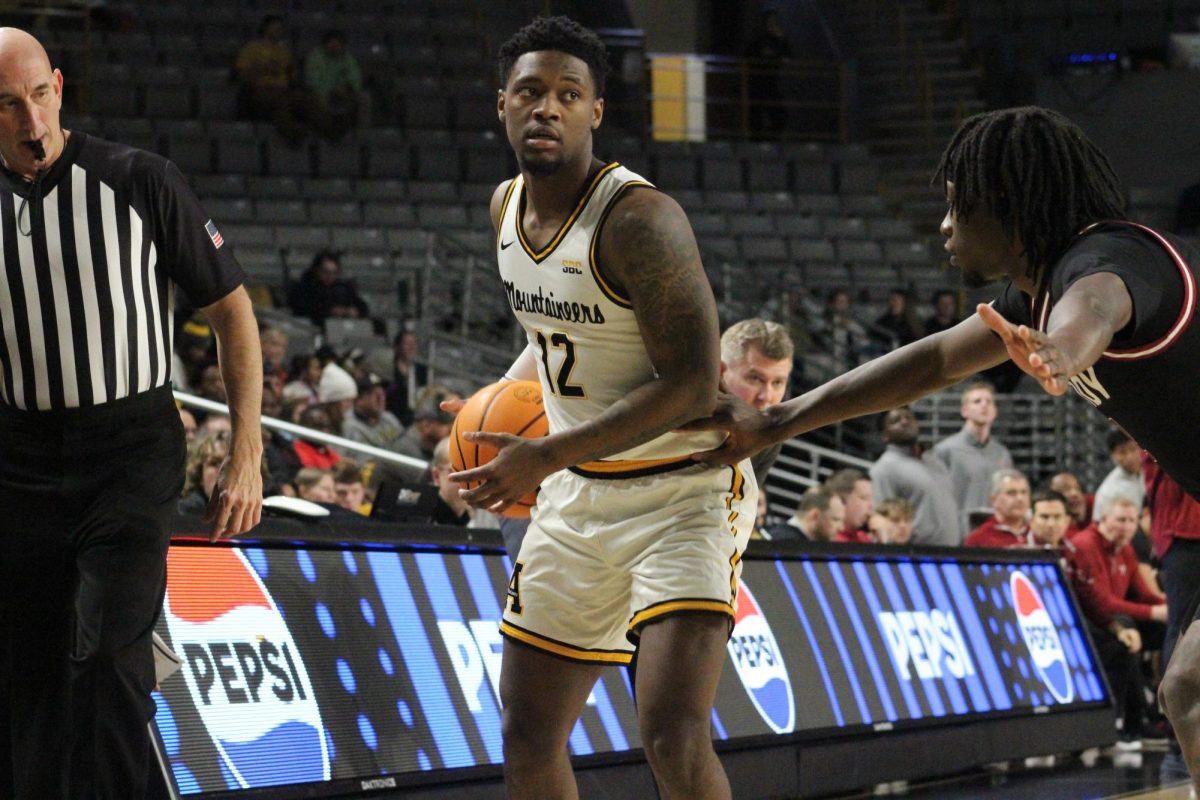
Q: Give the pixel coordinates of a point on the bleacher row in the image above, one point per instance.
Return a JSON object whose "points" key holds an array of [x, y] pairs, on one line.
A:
{"points": [[414, 42]]}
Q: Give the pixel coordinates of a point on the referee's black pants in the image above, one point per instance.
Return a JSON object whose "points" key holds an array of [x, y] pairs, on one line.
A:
{"points": [[86, 496]]}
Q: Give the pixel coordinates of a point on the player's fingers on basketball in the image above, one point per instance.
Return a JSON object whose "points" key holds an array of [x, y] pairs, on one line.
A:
{"points": [[453, 405], [472, 475], [497, 440], [499, 508]]}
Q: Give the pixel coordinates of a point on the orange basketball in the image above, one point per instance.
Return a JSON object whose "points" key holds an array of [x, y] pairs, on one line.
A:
{"points": [[507, 407]]}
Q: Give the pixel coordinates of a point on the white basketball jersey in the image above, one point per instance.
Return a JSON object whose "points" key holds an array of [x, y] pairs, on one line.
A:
{"points": [[589, 348]]}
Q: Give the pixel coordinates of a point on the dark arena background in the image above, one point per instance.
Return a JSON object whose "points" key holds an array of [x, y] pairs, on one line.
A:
{"points": [[350, 655]]}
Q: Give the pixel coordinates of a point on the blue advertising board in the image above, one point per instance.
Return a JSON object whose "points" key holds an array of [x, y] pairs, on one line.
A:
{"points": [[305, 664]]}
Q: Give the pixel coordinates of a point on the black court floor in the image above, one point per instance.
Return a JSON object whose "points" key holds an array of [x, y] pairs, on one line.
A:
{"points": [[1134, 775]]}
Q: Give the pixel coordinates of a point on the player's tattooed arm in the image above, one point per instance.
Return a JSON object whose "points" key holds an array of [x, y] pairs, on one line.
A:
{"points": [[647, 255]]}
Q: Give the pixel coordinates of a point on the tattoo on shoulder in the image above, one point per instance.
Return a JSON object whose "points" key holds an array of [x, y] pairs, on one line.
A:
{"points": [[652, 253]]}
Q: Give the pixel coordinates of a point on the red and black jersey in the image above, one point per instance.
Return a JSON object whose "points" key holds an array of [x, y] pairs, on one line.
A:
{"points": [[1148, 379]]}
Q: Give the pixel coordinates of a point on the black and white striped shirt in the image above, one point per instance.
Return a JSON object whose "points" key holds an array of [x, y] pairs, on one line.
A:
{"points": [[89, 257]]}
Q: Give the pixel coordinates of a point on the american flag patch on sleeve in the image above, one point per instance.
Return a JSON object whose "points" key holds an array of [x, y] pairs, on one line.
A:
{"points": [[214, 234]]}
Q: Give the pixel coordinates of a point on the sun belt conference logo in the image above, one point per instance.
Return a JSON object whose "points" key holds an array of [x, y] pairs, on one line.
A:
{"points": [[1041, 637], [243, 669], [759, 664]]}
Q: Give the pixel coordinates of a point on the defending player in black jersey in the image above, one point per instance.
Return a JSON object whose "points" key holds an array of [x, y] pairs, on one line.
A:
{"points": [[1090, 300]]}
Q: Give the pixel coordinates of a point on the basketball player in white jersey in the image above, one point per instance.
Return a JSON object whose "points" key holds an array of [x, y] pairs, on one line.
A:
{"points": [[629, 546]]}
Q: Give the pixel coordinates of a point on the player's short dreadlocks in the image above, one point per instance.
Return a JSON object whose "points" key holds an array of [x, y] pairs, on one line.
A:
{"points": [[557, 33], [1037, 172]]}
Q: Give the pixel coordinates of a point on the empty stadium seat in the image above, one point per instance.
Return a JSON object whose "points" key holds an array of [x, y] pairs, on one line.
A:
{"points": [[811, 250], [288, 211], [335, 212]]}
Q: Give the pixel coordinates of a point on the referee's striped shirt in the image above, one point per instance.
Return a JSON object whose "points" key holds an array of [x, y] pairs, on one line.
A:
{"points": [[89, 257]]}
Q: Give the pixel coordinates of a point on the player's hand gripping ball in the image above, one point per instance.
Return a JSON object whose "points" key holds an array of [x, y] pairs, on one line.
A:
{"points": [[507, 407]]}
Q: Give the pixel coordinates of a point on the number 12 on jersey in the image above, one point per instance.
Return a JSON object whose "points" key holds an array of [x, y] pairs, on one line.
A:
{"points": [[560, 381]]}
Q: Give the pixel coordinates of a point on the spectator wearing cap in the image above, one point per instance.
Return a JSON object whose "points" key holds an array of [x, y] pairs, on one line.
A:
{"points": [[368, 421], [193, 352], [430, 425], [1125, 479], [1009, 524], [336, 392]]}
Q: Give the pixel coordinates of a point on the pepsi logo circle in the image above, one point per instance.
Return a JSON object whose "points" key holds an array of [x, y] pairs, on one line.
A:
{"points": [[1041, 638], [243, 670], [759, 665]]}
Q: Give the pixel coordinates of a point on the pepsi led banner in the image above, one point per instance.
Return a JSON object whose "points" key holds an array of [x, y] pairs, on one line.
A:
{"points": [[382, 665]]}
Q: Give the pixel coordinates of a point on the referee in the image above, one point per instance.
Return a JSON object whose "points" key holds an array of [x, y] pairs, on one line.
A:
{"points": [[93, 238]]}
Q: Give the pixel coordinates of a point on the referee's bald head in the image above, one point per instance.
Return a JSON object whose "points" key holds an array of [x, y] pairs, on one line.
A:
{"points": [[30, 101]]}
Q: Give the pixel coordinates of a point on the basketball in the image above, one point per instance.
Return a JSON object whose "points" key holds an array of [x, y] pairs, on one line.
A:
{"points": [[507, 407]]}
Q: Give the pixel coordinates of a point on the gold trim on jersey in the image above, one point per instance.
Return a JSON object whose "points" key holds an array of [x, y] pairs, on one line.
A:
{"points": [[674, 606], [737, 488], [630, 468], [605, 289], [512, 184], [562, 649], [541, 255]]}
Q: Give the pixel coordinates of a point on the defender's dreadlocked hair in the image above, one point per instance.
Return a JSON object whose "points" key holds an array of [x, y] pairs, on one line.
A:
{"points": [[557, 33], [1037, 172]]}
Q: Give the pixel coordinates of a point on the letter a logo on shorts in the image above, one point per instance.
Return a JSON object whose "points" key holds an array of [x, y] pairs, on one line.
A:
{"points": [[759, 664], [1041, 637], [243, 669]]}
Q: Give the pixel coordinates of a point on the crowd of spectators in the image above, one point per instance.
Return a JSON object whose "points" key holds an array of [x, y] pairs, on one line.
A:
{"points": [[964, 491], [836, 332], [328, 393], [961, 491], [323, 94]]}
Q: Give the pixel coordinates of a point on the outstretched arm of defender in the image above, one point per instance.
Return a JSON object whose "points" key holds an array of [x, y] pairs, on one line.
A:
{"points": [[647, 249], [895, 379], [1080, 328]]}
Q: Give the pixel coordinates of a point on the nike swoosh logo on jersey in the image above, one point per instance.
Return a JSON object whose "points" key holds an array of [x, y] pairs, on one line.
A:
{"points": [[506, 245]]}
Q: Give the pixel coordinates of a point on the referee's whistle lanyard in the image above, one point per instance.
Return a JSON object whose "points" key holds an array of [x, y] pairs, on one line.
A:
{"points": [[37, 199]]}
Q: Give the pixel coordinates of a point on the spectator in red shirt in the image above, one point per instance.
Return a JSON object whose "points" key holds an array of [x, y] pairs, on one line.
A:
{"points": [[1175, 535], [854, 487], [1115, 599], [312, 454], [1048, 520], [1079, 505], [1009, 526], [1106, 573]]}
